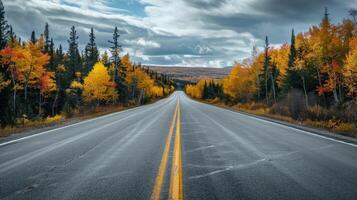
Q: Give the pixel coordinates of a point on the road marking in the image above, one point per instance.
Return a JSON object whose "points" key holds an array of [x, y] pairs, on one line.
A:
{"points": [[282, 125], [176, 191], [75, 124], [163, 164]]}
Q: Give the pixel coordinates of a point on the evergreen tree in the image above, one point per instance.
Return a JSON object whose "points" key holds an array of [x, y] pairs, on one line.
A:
{"points": [[7, 112], [105, 59], [119, 70], [4, 27], [91, 53], [51, 53], [291, 78], [204, 91], [265, 73], [46, 35], [292, 54], [115, 50], [33, 37], [12, 36], [274, 72], [73, 54]]}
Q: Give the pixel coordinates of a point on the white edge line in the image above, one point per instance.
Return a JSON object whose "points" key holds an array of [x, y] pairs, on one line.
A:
{"points": [[287, 126], [75, 124], [303, 131]]}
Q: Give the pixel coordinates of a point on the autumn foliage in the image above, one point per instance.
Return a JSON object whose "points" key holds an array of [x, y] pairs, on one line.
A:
{"points": [[318, 69], [98, 87], [39, 80]]}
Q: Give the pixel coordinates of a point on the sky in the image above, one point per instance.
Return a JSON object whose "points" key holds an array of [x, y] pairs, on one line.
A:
{"points": [[203, 33]]}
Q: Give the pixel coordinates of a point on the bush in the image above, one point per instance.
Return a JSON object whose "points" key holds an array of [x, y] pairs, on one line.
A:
{"points": [[295, 104], [318, 113], [280, 108], [345, 128]]}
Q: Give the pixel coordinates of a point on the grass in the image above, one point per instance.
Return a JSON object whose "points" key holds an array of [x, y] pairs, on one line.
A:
{"points": [[28, 125], [332, 125], [24, 125]]}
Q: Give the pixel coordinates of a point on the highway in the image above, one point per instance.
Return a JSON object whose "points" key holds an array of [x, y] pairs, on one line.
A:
{"points": [[177, 148]]}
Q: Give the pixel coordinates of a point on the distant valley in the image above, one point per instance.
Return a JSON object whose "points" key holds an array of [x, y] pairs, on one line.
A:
{"points": [[192, 73]]}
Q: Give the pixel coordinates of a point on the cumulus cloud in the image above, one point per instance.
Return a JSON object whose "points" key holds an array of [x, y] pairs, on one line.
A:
{"points": [[208, 33]]}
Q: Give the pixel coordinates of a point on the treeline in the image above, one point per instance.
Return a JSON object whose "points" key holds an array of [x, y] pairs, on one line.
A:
{"points": [[38, 79], [316, 73], [205, 89]]}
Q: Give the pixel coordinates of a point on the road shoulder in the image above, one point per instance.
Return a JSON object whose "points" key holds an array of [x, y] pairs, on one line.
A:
{"points": [[316, 131]]}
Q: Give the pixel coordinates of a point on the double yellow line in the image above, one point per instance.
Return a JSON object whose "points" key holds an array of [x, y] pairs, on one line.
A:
{"points": [[176, 191]]}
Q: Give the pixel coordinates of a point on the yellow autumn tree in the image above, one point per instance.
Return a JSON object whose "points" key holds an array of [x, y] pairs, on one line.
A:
{"points": [[125, 61], [98, 86], [196, 91], [240, 83], [157, 91], [280, 56], [139, 81], [350, 70]]}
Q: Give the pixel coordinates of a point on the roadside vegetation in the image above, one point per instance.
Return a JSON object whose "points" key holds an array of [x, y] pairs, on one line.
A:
{"points": [[311, 81], [42, 84]]}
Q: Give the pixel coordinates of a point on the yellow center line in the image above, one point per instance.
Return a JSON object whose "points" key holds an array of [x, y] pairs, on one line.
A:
{"points": [[176, 191], [162, 169]]}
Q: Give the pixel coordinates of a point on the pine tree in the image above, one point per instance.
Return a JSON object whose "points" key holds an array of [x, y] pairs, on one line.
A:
{"points": [[7, 112], [73, 53], [33, 37], [46, 34], [119, 70], [292, 54], [91, 53], [51, 53], [291, 77], [265, 73], [204, 92], [4, 27], [105, 59], [115, 50], [12, 36]]}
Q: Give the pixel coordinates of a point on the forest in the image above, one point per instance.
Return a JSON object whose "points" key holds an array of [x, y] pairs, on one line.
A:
{"points": [[39, 81], [312, 80]]}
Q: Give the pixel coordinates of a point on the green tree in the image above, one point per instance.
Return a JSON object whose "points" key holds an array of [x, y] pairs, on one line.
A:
{"points": [[119, 69], [115, 50], [91, 53], [33, 37], [291, 77], [46, 35], [73, 53], [6, 111], [265, 72]]}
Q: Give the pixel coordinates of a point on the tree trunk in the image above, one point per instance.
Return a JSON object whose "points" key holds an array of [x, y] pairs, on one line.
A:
{"points": [[55, 103], [273, 86], [266, 86], [340, 92], [320, 84], [26, 106], [335, 96], [27, 78], [40, 106], [14, 97], [305, 92]]}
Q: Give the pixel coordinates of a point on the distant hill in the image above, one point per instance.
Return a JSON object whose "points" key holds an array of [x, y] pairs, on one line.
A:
{"points": [[192, 73]]}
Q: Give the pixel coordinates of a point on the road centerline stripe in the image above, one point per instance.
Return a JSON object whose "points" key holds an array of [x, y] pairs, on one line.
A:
{"points": [[176, 190], [163, 164]]}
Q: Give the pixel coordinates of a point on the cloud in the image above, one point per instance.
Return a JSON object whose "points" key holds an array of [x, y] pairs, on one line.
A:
{"points": [[209, 33], [144, 43]]}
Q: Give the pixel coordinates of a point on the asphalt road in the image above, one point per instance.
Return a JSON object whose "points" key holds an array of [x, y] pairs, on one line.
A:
{"points": [[177, 148]]}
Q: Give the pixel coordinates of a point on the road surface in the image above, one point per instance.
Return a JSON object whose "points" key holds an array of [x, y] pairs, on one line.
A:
{"points": [[177, 148]]}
